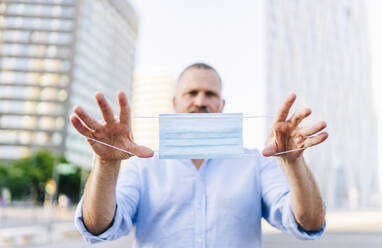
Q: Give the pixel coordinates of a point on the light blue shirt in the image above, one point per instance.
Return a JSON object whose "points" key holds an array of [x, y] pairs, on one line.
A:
{"points": [[172, 204]]}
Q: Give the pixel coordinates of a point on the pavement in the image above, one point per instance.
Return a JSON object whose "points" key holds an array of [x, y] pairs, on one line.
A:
{"points": [[55, 229], [328, 240], [270, 240]]}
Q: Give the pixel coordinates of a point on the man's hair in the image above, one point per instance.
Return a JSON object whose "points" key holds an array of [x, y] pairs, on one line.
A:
{"points": [[200, 65]]}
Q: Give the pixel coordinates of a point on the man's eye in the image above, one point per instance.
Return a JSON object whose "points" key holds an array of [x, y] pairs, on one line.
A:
{"points": [[210, 94], [193, 93]]}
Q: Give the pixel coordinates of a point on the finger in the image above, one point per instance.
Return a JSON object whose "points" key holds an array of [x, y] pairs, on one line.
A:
{"points": [[312, 141], [80, 127], [87, 119], [311, 130], [107, 111], [141, 151], [283, 111], [299, 115], [274, 147], [269, 150], [280, 129], [124, 114]]}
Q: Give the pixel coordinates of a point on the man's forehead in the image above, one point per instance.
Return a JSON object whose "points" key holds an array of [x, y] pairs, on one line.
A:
{"points": [[199, 78]]}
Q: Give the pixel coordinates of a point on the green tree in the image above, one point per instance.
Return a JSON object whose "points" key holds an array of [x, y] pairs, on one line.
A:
{"points": [[27, 176], [69, 182], [3, 176]]}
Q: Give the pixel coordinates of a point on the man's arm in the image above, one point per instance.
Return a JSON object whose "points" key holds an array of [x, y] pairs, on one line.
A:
{"points": [[99, 196], [307, 204], [99, 201]]}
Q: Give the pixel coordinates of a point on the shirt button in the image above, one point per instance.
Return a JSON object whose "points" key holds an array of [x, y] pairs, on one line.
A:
{"points": [[199, 240]]}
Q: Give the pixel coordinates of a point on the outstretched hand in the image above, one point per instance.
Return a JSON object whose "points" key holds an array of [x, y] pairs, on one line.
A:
{"points": [[113, 132], [286, 135]]}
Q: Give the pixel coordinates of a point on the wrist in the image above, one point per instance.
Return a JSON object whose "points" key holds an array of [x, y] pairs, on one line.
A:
{"points": [[292, 161], [106, 163]]}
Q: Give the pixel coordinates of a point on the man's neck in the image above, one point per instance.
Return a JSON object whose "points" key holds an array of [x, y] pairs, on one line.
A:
{"points": [[198, 163]]}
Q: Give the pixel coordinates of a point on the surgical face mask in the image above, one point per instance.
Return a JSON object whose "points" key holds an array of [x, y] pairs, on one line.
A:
{"points": [[207, 135], [211, 135]]}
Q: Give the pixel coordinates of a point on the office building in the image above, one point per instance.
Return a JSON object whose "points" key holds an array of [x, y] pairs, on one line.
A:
{"points": [[55, 54]]}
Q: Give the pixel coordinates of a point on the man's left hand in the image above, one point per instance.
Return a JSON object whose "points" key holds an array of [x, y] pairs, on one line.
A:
{"points": [[286, 135]]}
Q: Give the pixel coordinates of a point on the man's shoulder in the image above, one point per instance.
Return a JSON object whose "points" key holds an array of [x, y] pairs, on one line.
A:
{"points": [[249, 153], [150, 164], [143, 162], [156, 163], [261, 160], [253, 152]]}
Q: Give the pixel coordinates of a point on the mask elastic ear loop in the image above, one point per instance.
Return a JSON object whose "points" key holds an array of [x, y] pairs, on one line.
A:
{"points": [[114, 147], [156, 117], [246, 117], [289, 151], [130, 153]]}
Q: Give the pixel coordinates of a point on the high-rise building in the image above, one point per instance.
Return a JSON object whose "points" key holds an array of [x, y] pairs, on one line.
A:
{"points": [[319, 50], [152, 93], [55, 54]]}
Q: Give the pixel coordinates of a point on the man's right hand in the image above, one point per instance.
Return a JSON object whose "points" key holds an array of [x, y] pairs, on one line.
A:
{"points": [[113, 132]]}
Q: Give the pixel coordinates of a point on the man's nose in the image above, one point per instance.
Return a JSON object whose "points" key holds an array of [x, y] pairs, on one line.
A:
{"points": [[200, 100]]}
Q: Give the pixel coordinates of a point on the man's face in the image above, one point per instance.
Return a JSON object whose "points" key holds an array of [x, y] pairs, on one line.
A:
{"points": [[198, 91]]}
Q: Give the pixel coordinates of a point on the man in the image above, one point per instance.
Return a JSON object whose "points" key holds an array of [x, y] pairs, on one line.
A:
{"points": [[198, 202]]}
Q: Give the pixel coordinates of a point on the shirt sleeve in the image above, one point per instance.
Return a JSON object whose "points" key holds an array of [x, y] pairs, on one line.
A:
{"points": [[276, 201], [128, 193]]}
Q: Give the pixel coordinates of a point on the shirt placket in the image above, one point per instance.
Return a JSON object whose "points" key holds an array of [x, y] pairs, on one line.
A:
{"points": [[200, 214]]}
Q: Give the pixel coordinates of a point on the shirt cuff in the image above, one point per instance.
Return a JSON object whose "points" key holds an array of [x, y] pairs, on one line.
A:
{"points": [[294, 228], [110, 234]]}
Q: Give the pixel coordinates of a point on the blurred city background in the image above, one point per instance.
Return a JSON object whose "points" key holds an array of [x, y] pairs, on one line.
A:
{"points": [[55, 54]]}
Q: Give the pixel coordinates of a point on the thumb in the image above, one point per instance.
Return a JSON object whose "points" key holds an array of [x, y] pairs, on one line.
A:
{"points": [[142, 151], [270, 149]]}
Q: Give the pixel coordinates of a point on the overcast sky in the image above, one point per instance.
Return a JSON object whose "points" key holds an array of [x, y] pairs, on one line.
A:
{"points": [[227, 34], [230, 36]]}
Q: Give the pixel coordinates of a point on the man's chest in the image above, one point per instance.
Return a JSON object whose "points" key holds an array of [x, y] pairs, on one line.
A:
{"points": [[233, 190]]}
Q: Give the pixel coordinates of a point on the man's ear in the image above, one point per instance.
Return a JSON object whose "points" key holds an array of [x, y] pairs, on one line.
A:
{"points": [[174, 103], [223, 105]]}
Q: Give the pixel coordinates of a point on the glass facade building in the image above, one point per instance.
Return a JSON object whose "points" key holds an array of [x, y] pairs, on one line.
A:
{"points": [[320, 51], [55, 54]]}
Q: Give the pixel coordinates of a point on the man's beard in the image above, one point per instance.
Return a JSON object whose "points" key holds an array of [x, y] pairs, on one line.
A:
{"points": [[202, 109]]}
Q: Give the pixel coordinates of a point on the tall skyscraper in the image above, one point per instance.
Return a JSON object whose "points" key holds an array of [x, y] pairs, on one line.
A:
{"points": [[319, 50], [152, 93], [55, 54]]}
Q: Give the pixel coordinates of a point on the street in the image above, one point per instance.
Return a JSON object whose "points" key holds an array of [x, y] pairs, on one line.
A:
{"points": [[271, 240], [329, 240], [21, 226]]}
